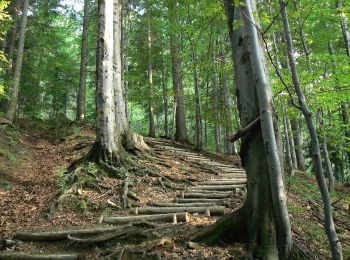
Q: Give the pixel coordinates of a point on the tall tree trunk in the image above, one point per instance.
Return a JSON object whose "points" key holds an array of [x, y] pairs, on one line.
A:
{"points": [[334, 242], [287, 145], [292, 145], [152, 127], [106, 143], [122, 125], [12, 106], [206, 113], [81, 102], [263, 220], [217, 128], [298, 144], [229, 147], [328, 165], [165, 100], [344, 107], [176, 59], [13, 37]]}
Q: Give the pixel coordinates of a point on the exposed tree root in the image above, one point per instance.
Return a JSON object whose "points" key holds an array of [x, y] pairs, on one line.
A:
{"points": [[231, 227], [27, 256]]}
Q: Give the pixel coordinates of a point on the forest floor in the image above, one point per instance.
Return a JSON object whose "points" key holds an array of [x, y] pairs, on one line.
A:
{"points": [[35, 195]]}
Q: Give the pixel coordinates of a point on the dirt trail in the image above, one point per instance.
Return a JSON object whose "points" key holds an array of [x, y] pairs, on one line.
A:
{"points": [[33, 187]]}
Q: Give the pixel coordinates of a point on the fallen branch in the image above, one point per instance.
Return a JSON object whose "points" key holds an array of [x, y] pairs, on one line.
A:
{"points": [[244, 130], [59, 235], [171, 217], [214, 210], [124, 234], [28, 256]]}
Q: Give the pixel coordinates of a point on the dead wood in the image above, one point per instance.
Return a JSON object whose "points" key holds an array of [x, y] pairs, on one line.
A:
{"points": [[195, 200], [199, 204], [170, 218], [254, 124], [28, 256], [124, 234], [222, 182], [211, 195], [217, 188], [214, 210], [60, 235]]}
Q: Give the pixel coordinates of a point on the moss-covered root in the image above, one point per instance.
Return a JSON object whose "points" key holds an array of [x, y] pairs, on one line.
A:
{"points": [[230, 228]]}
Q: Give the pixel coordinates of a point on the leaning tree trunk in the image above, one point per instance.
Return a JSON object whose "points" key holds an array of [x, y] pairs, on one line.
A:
{"points": [[263, 220], [12, 106], [328, 165], [334, 242], [176, 59], [83, 63]]}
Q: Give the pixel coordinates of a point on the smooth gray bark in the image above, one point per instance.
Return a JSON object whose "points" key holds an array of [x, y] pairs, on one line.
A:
{"points": [[84, 58], [289, 159], [328, 164], [12, 106], [263, 220], [122, 125], [298, 144], [335, 245], [105, 85], [292, 145]]}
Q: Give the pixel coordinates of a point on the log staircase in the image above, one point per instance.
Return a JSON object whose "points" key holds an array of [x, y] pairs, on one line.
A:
{"points": [[212, 197]]}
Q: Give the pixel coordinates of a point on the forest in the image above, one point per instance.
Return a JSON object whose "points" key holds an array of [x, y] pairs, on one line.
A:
{"points": [[174, 129]]}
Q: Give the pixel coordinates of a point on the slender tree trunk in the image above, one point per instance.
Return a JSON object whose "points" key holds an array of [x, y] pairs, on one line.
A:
{"points": [[328, 165], [165, 100], [152, 127], [13, 37], [301, 30], [217, 129], [176, 59], [298, 144], [292, 145], [12, 106], [206, 113], [122, 125], [83, 63], [334, 242], [287, 145], [229, 147]]}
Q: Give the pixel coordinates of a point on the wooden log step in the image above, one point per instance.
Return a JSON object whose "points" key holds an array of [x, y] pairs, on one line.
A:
{"points": [[213, 211], [200, 200], [198, 204], [217, 188], [222, 182], [231, 174], [169, 218], [217, 178], [212, 195], [60, 235], [29, 256]]}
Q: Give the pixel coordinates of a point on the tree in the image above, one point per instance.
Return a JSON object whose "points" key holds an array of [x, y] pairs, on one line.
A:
{"points": [[81, 102], [176, 59], [12, 106], [334, 242], [263, 221]]}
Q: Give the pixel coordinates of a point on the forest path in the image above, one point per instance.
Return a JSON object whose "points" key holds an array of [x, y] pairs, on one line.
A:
{"points": [[32, 188], [199, 203]]}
